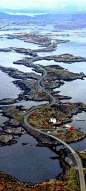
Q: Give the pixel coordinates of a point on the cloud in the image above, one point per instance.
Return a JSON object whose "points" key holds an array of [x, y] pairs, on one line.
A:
{"points": [[30, 3], [26, 3], [47, 4]]}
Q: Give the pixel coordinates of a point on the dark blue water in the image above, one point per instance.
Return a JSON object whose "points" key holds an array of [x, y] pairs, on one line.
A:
{"points": [[30, 163]]}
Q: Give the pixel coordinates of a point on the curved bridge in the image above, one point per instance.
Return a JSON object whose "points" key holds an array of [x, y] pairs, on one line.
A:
{"points": [[28, 126]]}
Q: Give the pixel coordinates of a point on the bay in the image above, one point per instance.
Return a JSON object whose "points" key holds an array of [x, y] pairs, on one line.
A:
{"points": [[34, 163], [7, 88], [31, 162], [75, 89]]}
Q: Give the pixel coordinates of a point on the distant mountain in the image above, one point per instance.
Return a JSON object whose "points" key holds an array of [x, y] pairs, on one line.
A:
{"points": [[3, 15], [13, 16], [60, 21], [57, 7]]}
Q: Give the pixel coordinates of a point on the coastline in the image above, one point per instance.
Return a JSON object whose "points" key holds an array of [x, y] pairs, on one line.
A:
{"points": [[35, 78]]}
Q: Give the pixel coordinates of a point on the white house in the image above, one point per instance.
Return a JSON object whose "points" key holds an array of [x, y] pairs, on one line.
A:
{"points": [[53, 120]]}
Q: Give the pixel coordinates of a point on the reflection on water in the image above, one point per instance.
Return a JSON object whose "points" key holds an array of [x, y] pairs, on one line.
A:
{"points": [[6, 43], [76, 46], [75, 89], [31, 162], [81, 145], [7, 88], [75, 67], [14, 29], [28, 104], [71, 48], [79, 121], [45, 62], [3, 119]]}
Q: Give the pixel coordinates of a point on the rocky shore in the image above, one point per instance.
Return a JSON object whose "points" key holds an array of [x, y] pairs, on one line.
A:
{"points": [[66, 58], [15, 115], [38, 38], [10, 129], [61, 183], [7, 101], [59, 111], [20, 50], [28, 82], [31, 89], [7, 182]]}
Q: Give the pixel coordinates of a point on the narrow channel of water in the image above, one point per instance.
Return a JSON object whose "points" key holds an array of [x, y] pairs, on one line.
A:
{"points": [[7, 88], [34, 163], [28, 104]]}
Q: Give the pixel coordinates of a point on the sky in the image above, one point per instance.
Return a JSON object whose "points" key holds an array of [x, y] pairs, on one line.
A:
{"points": [[28, 3], [47, 4]]}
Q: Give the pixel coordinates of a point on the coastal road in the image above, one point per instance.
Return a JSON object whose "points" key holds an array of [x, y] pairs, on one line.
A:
{"points": [[28, 127], [77, 159]]}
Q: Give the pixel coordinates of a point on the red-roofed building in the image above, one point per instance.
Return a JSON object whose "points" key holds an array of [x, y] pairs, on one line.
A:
{"points": [[34, 114], [63, 119], [47, 124], [71, 128]]}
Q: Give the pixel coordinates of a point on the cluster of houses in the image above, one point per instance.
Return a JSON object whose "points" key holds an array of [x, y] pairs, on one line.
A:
{"points": [[53, 122]]}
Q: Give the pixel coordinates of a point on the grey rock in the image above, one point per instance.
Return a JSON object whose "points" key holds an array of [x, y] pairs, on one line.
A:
{"points": [[5, 138]]}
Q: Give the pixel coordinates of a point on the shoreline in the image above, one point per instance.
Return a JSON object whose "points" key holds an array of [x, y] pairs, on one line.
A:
{"points": [[35, 78], [31, 88], [33, 133]]}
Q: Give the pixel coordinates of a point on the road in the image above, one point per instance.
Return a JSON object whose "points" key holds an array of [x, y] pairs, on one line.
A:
{"points": [[28, 126], [52, 99]]}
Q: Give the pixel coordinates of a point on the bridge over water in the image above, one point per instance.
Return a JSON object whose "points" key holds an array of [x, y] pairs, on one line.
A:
{"points": [[29, 127]]}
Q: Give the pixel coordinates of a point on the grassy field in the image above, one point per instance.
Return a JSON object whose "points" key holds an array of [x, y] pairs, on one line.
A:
{"points": [[72, 180], [60, 74], [42, 120], [83, 158]]}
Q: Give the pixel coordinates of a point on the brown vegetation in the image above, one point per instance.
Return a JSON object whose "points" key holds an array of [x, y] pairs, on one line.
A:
{"points": [[8, 183]]}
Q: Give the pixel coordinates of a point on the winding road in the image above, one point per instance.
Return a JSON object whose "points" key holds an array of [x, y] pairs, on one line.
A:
{"points": [[28, 126], [52, 99]]}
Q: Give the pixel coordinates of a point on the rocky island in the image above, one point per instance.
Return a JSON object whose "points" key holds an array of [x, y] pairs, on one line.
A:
{"points": [[41, 119], [53, 77], [28, 82], [52, 118]]}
